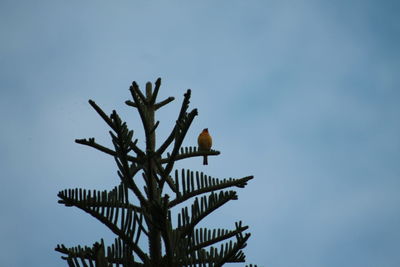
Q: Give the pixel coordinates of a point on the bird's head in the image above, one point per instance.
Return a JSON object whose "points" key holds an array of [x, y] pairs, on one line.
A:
{"points": [[205, 130]]}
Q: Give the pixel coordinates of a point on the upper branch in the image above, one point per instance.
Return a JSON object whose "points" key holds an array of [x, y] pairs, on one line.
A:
{"points": [[91, 142], [180, 133], [141, 103], [109, 121], [163, 103], [134, 88], [170, 138], [155, 92], [102, 114]]}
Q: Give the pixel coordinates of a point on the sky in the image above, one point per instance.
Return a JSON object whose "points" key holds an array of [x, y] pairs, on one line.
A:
{"points": [[304, 95]]}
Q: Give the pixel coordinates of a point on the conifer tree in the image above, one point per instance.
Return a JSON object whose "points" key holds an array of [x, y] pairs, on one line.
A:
{"points": [[133, 213]]}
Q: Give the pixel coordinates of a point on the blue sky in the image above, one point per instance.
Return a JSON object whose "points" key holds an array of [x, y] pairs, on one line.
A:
{"points": [[302, 94]]}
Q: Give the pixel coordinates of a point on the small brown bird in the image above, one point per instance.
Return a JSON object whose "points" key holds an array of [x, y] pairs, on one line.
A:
{"points": [[205, 142]]}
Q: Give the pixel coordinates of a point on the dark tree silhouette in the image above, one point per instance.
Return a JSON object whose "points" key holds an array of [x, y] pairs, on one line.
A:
{"points": [[133, 213]]}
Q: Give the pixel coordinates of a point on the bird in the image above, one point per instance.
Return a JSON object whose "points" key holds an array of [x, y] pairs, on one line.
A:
{"points": [[205, 142]]}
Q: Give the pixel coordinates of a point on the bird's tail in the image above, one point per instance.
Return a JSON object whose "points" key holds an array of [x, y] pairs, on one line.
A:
{"points": [[205, 161]]}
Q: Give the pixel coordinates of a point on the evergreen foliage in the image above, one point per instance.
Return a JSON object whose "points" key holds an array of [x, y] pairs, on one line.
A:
{"points": [[134, 213]]}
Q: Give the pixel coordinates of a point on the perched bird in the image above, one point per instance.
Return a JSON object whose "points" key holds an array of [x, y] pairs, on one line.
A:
{"points": [[205, 142]]}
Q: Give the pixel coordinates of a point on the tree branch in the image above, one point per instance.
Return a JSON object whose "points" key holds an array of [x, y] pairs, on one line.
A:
{"points": [[178, 141], [91, 142], [134, 88], [109, 224], [210, 188], [185, 106], [155, 92], [216, 239], [193, 152], [163, 103]]}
